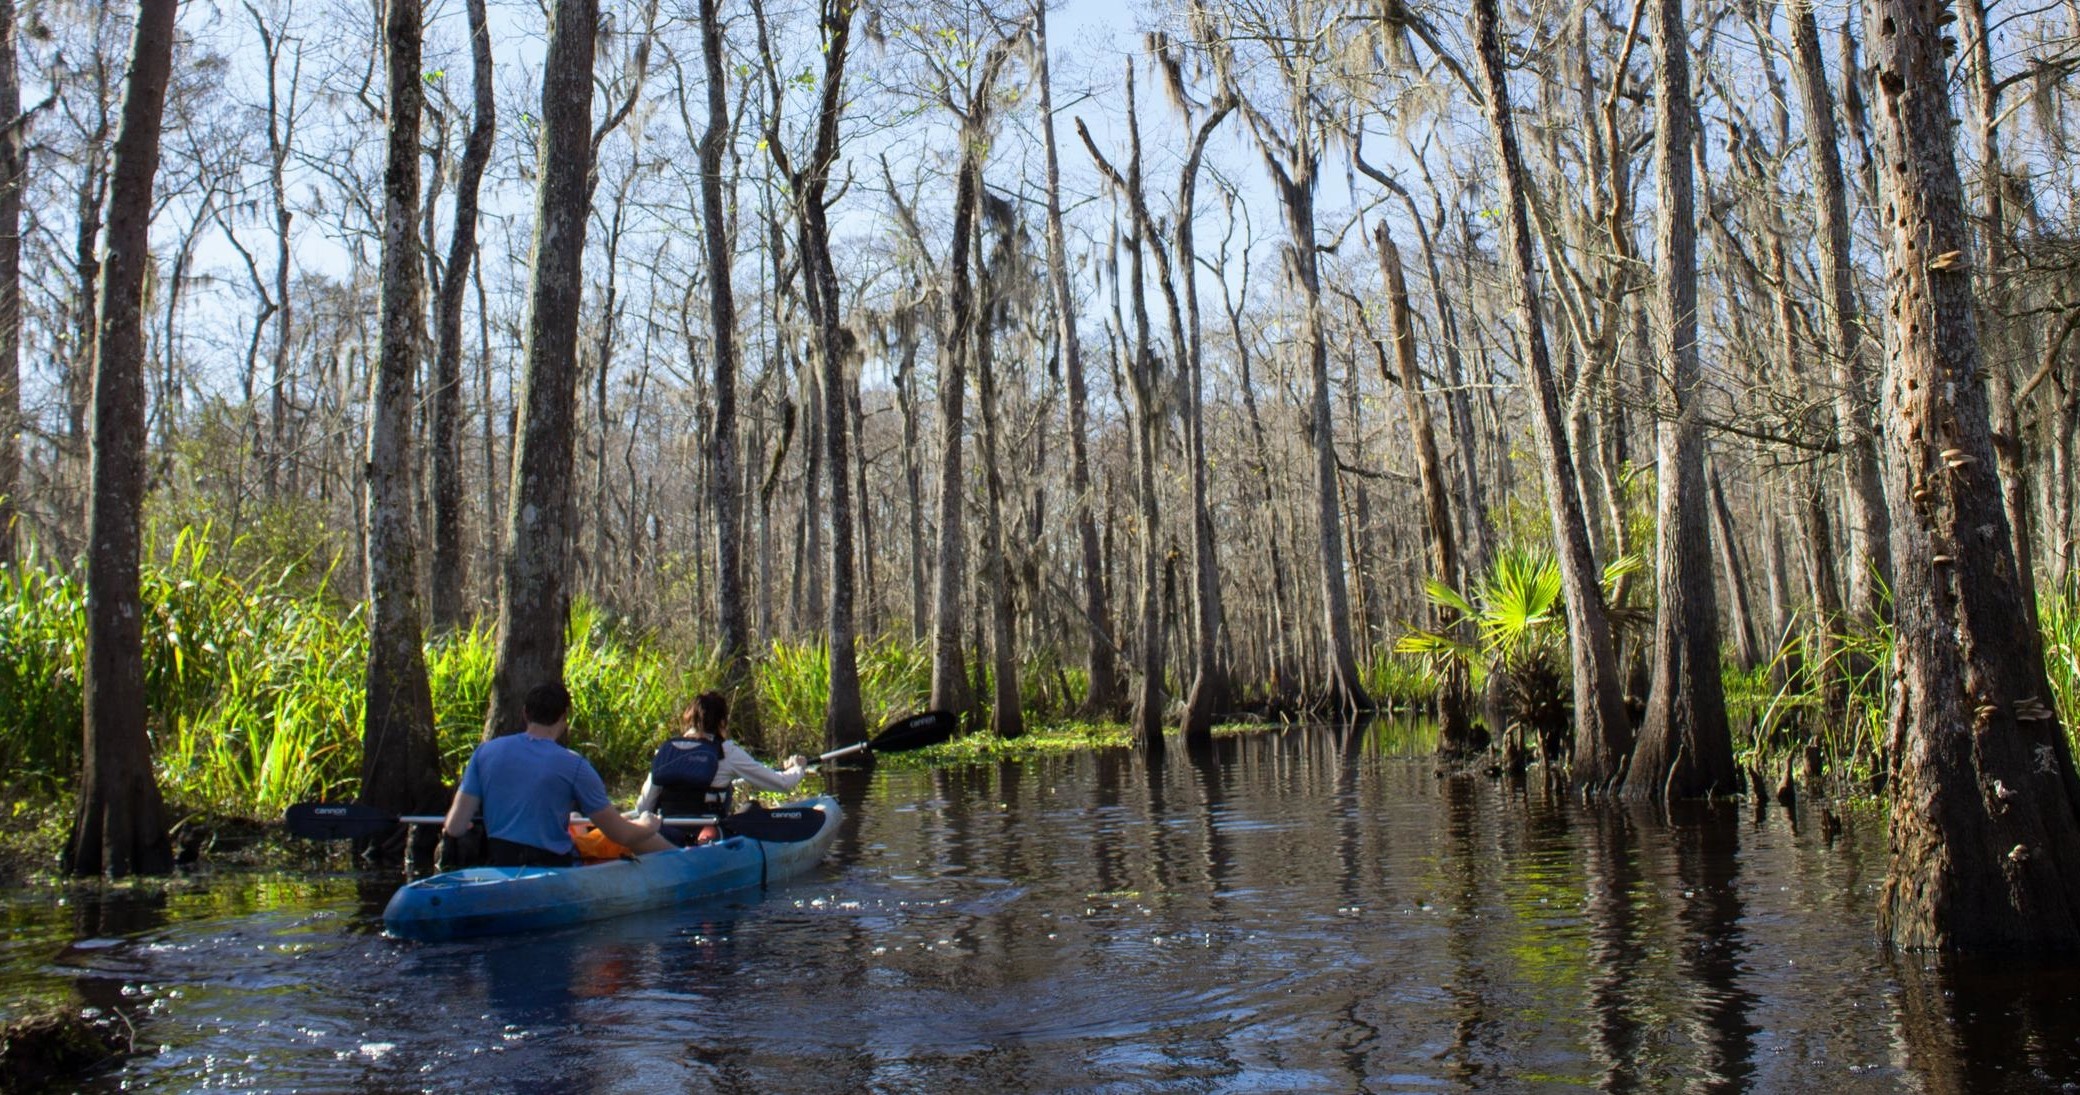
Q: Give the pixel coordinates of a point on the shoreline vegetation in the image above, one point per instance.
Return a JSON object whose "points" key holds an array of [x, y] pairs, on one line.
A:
{"points": [[254, 685]]}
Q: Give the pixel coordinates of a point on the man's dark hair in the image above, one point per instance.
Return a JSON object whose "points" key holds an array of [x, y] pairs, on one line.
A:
{"points": [[547, 703]]}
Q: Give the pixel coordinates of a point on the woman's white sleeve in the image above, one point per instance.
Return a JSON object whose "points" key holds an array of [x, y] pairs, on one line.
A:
{"points": [[742, 765]]}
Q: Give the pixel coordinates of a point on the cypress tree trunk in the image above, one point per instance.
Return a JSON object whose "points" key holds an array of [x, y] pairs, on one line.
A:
{"points": [[1870, 548], [400, 760], [534, 602], [1816, 523], [119, 828], [1278, 657], [1006, 717], [950, 690], [913, 476], [725, 477], [1455, 737], [1209, 690], [1142, 379], [1685, 748], [1603, 736], [1994, 293], [1730, 564], [1296, 193], [13, 166], [449, 557], [278, 134], [843, 722], [89, 195], [1985, 823], [1104, 695]]}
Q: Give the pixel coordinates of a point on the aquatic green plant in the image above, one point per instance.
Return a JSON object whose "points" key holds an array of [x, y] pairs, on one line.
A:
{"points": [[1400, 679], [1043, 740], [1518, 630]]}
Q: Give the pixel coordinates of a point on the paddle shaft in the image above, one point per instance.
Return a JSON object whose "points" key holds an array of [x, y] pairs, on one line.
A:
{"points": [[681, 822], [915, 732], [855, 747]]}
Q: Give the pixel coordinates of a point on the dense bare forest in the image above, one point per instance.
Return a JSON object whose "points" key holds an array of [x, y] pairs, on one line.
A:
{"points": [[1165, 363]]}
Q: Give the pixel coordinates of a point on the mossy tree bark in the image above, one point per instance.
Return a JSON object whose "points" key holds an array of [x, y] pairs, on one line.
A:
{"points": [[400, 758], [534, 601]]}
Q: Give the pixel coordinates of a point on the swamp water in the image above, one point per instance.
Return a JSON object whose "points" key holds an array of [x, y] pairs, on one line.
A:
{"points": [[1306, 910]]}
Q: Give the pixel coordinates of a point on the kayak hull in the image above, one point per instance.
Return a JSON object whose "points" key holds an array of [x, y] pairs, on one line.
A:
{"points": [[498, 900]]}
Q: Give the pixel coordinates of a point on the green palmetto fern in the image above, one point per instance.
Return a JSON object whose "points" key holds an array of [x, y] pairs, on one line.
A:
{"points": [[1512, 622]]}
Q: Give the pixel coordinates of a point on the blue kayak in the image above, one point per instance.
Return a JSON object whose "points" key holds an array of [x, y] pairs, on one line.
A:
{"points": [[497, 900]]}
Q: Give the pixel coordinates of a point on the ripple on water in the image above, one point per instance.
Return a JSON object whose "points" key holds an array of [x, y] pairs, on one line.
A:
{"points": [[1295, 915]]}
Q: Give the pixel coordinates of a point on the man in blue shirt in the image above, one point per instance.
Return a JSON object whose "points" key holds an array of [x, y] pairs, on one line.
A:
{"points": [[528, 784]]}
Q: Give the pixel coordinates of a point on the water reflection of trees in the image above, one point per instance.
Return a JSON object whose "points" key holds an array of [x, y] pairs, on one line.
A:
{"points": [[1473, 1019], [1611, 881], [1986, 1024], [1706, 841]]}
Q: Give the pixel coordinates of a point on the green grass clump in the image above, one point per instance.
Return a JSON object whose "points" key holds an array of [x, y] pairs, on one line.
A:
{"points": [[1038, 741], [626, 691], [2058, 616], [255, 683], [250, 682], [43, 629], [792, 686], [1403, 680], [31, 834]]}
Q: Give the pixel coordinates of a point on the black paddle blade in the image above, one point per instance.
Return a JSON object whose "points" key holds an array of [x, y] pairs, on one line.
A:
{"points": [[337, 821], [916, 732], [787, 825]]}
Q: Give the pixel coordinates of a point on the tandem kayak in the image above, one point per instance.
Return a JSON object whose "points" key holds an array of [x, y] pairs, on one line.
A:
{"points": [[497, 900]]}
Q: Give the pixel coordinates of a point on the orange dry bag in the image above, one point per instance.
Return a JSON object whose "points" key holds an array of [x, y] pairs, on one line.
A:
{"points": [[593, 845]]}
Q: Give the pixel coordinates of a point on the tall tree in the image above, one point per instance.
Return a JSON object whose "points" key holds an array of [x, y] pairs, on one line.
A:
{"points": [[809, 184], [1144, 380], [1870, 548], [448, 549], [1603, 735], [1985, 820], [1103, 696], [1209, 689], [89, 192], [999, 273], [1455, 736], [1995, 290], [725, 476], [120, 826], [400, 759], [281, 307], [1684, 745], [951, 690], [534, 602], [1291, 148], [13, 166]]}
